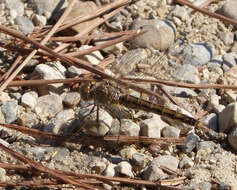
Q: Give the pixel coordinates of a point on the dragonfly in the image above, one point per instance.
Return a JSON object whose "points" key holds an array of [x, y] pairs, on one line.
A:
{"points": [[108, 93]]}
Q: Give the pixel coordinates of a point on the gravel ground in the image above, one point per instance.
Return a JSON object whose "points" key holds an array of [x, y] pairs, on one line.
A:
{"points": [[180, 45]]}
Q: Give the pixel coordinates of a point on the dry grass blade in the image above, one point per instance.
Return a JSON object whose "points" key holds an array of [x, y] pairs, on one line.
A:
{"points": [[142, 139], [182, 84]]}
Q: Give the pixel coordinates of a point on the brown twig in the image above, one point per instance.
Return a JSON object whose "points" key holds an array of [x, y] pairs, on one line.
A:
{"points": [[182, 84]]}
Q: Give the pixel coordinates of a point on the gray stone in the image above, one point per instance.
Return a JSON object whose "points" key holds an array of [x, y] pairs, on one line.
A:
{"points": [[230, 59], [197, 54], [95, 57], [125, 168], [29, 99], [16, 8], [48, 106], [228, 117], [138, 159], [128, 127], [15, 95], [166, 161], [2, 117], [206, 145], [159, 36], [97, 166], [214, 105], [28, 119], [46, 72], [170, 131], [152, 127], [72, 99], [9, 110], [73, 71], [211, 121], [24, 24], [39, 20], [43, 153], [192, 141], [232, 138], [94, 126], [154, 173], [227, 37], [4, 98], [186, 162], [47, 7], [62, 119], [187, 73], [234, 48], [180, 12], [110, 170], [229, 9]]}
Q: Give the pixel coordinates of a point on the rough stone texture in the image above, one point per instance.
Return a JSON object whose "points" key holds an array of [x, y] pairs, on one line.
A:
{"points": [[125, 168], [211, 120], [227, 37], [152, 127], [128, 152], [110, 170], [170, 131], [71, 99], [47, 7], [191, 142], [180, 12], [159, 36], [73, 71], [97, 166], [187, 73], [186, 162], [95, 57], [39, 20], [80, 8], [167, 161], [197, 54], [47, 72], [228, 117], [29, 99], [24, 25], [128, 127], [48, 106], [62, 119], [16, 7], [28, 119], [228, 9], [153, 172], [93, 126], [4, 98], [9, 110], [138, 159]]}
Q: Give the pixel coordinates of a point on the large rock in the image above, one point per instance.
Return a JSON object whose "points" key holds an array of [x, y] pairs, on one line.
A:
{"points": [[159, 36]]}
